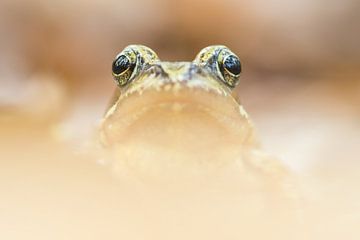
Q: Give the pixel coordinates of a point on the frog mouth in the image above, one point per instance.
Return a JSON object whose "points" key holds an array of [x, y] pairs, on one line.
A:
{"points": [[179, 113]]}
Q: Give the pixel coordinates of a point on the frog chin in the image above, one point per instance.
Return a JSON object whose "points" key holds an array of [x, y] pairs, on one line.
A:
{"points": [[185, 121]]}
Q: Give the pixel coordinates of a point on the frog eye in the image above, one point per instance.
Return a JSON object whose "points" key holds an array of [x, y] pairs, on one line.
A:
{"points": [[221, 62], [131, 62], [122, 68], [232, 65], [230, 68]]}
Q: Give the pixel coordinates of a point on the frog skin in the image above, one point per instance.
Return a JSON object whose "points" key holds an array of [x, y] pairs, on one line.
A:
{"points": [[171, 119], [179, 126]]}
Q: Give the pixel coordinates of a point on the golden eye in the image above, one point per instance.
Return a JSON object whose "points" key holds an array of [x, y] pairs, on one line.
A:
{"points": [[131, 62], [121, 64], [123, 67], [230, 67], [223, 63]]}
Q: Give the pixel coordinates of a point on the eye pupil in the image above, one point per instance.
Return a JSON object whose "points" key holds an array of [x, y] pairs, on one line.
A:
{"points": [[120, 64], [232, 64]]}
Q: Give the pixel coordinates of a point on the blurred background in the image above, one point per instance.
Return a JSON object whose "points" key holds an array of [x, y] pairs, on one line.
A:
{"points": [[300, 81], [301, 62]]}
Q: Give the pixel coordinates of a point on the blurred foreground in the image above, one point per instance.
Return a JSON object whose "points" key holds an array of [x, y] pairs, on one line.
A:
{"points": [[300, 86]]}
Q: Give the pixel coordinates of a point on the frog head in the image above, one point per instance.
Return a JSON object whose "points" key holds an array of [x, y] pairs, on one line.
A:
{"points": [[187, 105]]}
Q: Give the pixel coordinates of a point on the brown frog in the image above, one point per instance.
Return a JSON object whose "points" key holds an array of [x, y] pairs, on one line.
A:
{"points": [[170, 120]]}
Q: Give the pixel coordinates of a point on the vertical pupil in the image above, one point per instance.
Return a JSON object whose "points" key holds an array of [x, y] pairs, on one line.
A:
{"points": [[232, 64], [120, 64]]}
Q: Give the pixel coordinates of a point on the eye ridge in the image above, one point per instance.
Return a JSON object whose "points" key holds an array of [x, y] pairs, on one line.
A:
{"points": [[232, 65]]}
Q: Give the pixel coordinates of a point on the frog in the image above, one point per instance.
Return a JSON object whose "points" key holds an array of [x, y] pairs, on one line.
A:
{"points": [[172, 119], [180, 128]]}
